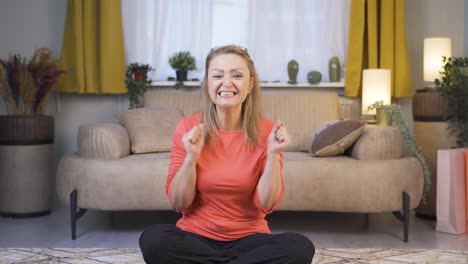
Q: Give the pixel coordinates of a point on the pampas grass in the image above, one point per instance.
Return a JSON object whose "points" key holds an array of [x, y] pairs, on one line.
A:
{"points": [[25, 85]]}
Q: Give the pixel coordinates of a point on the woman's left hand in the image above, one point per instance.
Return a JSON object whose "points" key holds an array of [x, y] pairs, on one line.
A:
{"points": [[279, 138]]}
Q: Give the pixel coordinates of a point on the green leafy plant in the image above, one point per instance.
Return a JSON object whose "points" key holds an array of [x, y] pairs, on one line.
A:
{"points": [[137, 82], [26, 84], [182, 61], [454, 78], [394, 111]]}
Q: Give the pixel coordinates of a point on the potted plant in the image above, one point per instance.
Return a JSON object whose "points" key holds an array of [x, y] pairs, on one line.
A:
{"points": [[182, 62], [392, 115], [137, 82], [26, 133], [454, 81]]}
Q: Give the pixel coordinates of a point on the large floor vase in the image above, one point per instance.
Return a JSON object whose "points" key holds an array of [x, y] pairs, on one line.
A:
{"points": [[26, 165]]}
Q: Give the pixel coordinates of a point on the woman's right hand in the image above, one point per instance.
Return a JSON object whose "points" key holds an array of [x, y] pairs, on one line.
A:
{"points": [[194, 141]]}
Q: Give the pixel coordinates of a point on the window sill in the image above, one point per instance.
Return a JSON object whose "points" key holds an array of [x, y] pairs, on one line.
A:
{"points": [[262, 84]]}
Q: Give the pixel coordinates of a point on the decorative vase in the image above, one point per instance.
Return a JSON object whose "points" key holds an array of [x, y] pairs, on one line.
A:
{"points": [[26, 165], [293, 69], [181, 75], [334, 69], [314, 77]]}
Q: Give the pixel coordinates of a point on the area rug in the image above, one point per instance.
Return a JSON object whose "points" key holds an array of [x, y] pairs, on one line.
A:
{"points": [[329, 255]]}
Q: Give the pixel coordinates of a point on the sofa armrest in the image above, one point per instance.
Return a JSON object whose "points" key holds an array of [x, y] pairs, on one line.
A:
{"points": [[378, 142], [103, 141]]}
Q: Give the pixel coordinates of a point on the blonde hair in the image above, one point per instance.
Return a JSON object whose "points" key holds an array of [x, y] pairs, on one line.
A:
{"points": [[250, 113]]}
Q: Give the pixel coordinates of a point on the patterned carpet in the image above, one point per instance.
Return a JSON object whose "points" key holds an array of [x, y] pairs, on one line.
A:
{"points": [[133, 255]]}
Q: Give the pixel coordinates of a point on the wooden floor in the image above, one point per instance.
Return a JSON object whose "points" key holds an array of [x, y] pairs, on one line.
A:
{"points": [[325, 229]]}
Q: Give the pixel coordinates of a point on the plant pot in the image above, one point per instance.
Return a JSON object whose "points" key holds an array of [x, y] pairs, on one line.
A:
{"points": [[382, 118], [429, 105], [181, 75], [140, 75], [26, 165]]}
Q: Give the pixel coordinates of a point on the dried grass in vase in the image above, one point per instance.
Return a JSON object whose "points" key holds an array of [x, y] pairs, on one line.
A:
{"points": [[25, 85]]}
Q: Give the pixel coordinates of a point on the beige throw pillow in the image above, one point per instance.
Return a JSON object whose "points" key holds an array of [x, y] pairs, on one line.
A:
{"points": [[150, 129], [333, 138]]}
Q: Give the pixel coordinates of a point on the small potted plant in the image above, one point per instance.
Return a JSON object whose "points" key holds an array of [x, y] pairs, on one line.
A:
{"points": [[454, 81], [182, 62], [137, 81]]}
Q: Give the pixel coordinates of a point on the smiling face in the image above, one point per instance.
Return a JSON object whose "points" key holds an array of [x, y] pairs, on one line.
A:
{"points": [[229, 81]]}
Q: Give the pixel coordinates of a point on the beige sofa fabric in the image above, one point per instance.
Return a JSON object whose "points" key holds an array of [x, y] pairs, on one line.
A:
{"points": [[103, 141], [135, 182], [187, 103], [344, 184], [302, 114], [378, 142], [150, 129]]}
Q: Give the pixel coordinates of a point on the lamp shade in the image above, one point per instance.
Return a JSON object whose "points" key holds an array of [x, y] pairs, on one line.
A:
{"points": [[434, 50], [376, 86]]}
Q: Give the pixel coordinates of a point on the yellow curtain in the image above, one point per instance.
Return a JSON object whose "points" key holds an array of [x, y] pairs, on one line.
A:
{"points": [[93, 48], [377, 39]]}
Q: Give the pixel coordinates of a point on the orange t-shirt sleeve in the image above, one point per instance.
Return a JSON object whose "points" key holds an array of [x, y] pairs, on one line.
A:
{"points": [[257, 201], [178, 152]]}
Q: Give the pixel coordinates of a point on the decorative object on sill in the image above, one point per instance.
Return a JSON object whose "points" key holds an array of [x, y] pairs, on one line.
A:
{"points": [[454, 84], [314, 77], [137, 82], [293, 69], [394, 112], [182, 62], [334, 69], [26, 134]]}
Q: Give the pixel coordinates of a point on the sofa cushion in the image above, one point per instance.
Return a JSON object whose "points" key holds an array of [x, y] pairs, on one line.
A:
{"points": [[378, 142], [301, 113], [334, 137], [103, 141], [150, 129]]}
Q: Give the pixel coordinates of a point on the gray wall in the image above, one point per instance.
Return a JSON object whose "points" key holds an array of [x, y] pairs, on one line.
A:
{"points": [[29, 24]]}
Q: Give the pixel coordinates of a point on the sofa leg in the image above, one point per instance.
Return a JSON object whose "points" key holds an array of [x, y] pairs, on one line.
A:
{"points": [[406, 215], [75, 215]]}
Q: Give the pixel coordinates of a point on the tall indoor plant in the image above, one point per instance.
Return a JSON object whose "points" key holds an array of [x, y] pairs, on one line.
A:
{"points": [[27, 134], [454, 81]]}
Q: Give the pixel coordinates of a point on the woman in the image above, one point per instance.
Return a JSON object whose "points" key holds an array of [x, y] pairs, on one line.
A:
{"points": [[225, 175]]}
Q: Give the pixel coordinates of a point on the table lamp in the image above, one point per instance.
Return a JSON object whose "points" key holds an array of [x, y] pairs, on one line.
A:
{"points": [[434, 50]]}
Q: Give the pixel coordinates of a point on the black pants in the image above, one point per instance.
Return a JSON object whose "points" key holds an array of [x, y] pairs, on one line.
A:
{"points": [[168, 244]]}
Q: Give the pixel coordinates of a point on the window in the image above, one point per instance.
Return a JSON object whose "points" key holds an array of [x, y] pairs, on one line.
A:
{"points": [[274, 31]]}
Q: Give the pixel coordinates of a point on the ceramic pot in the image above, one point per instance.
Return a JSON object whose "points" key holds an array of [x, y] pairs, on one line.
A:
{"points": [[334, 69], [293, 69]]}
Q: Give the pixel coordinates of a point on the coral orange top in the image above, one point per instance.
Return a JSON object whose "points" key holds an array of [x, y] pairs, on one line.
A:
{"points": [[226, 206]]}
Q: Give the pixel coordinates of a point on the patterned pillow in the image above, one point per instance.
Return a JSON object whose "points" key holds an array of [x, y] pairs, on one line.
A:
{"points": [[150, 129], [333, 138]]}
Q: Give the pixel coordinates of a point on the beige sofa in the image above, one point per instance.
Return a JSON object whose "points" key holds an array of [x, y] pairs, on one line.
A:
{"points": [[373, 177]]}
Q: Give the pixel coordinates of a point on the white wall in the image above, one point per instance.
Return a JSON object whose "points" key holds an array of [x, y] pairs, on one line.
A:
{"points": [[28, 24], [434, 18]]}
